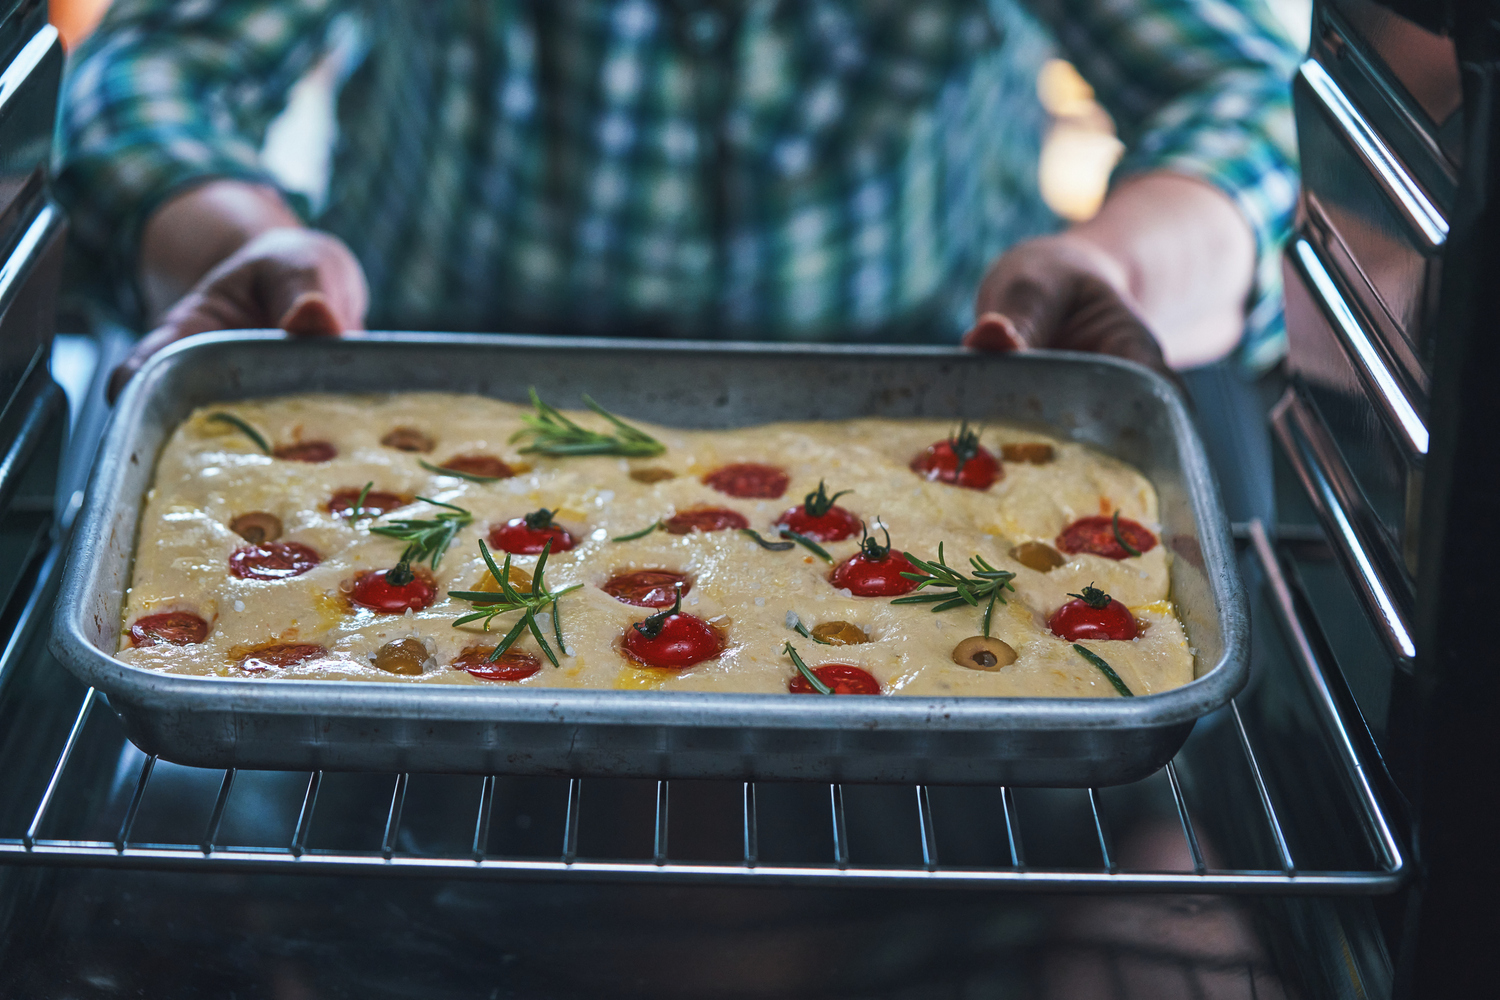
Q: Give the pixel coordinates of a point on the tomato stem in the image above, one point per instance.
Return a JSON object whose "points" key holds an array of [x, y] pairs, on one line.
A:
{"points": [[871, 549], [965, 444], [1094, 597], [819, 502], [651, 627], [539, 520]]}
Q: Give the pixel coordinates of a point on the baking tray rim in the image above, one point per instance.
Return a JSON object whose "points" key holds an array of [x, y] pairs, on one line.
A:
{"points": [[452, 703]]}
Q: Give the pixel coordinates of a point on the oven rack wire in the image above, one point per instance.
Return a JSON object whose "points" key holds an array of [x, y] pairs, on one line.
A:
{"points": [[58, 821]]}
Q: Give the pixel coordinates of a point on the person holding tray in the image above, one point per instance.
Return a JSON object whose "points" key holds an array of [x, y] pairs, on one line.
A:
{"points": [[815, 172]]}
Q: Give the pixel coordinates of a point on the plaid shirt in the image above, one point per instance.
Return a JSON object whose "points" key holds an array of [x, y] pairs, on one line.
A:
{"points": [[821, 170]]}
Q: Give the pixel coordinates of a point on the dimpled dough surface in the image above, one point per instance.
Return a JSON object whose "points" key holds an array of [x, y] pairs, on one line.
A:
{"points": [[210, 472]]}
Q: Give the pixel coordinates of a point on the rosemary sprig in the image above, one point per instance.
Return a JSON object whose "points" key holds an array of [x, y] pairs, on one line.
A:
{"points": [[802, 668], [242, 427], [637, 534], [987, 582], [818, 502], [426, 540], [488, 604], [1115, 523], [552, 433], [806, 543], [794, 622], [1105, 669], [754, 536], [471, 477]]}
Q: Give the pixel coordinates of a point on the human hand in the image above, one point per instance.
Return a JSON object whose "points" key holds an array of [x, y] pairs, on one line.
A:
{"points": [[1061, 292], [304, 281]]}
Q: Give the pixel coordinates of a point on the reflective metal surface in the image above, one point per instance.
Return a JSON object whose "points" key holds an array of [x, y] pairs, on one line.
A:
{"points": [[1118, 407], [1373, 431]]}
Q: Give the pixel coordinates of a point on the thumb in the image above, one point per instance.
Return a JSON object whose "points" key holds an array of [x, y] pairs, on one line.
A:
{"points": [[1019, 309], [311, 315]]}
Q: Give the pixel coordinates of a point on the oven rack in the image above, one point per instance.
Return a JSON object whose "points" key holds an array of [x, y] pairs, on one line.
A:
{"points": [[78, 796]]}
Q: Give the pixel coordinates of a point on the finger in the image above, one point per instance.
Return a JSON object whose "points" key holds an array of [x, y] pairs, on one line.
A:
{"points": [[994, 332], [296, 263], [1030, 295], [311, 316]]}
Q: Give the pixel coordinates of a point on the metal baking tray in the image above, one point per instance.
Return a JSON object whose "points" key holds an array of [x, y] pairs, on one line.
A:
{"points": [[1116, 406]]}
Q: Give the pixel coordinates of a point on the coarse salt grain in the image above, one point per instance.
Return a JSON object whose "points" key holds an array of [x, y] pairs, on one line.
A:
{"points": [[760, 602], [239, 605]]}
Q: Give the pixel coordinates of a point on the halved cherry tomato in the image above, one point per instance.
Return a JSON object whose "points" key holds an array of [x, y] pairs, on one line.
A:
{"points": [[272, 561], [673, 640], [843, 678], [749, 480], [705, 519], [176, 628], [513, 664], [479, 465], [527, 536], [1097, 535], [375, 503], [647, 588], [306, 451], [959, 461], [372, 590], [280, 655], [819, 518], [1093, 614]]}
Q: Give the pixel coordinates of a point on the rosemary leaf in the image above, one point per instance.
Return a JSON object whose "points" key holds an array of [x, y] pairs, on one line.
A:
{"points": [[807, 543], [427, 539], [1115, 523], [954, 589], [243, 428], [795, 623], [802, 668], [455, 473], [754, 535], [1105, 669], [637, 534], [488, 604]]}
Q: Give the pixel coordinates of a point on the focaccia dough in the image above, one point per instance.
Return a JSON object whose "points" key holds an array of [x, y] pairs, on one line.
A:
{"points": [[209, 473]]}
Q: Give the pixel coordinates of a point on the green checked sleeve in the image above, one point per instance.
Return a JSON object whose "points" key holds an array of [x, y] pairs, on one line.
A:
{"points": [[165, 95], [1200, 88]]}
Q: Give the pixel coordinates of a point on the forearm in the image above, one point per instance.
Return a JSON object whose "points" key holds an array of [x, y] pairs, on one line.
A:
{"points": [[189, 234], [1184, 256]]}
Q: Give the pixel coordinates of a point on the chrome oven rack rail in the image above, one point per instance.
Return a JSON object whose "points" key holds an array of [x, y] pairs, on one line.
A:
{"points": [[51, 828]]}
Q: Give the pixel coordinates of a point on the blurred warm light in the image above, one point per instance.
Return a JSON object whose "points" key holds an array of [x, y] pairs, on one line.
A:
{"points": [[1080, 149], [75, 19]]}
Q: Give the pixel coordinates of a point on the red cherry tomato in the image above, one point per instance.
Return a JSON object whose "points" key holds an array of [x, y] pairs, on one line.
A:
{"points": [[176, 628], [272, 561], [280, 655], [648, 588], [843, 678], [682, 641], [372, 590], [1094, 615], [306, 451], [834, 526], [376, 502], [1097, 535], [940, 464], [479, 465], [864, 576], [518, 535], [705, 519], [749, 480], [513, 664]]}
